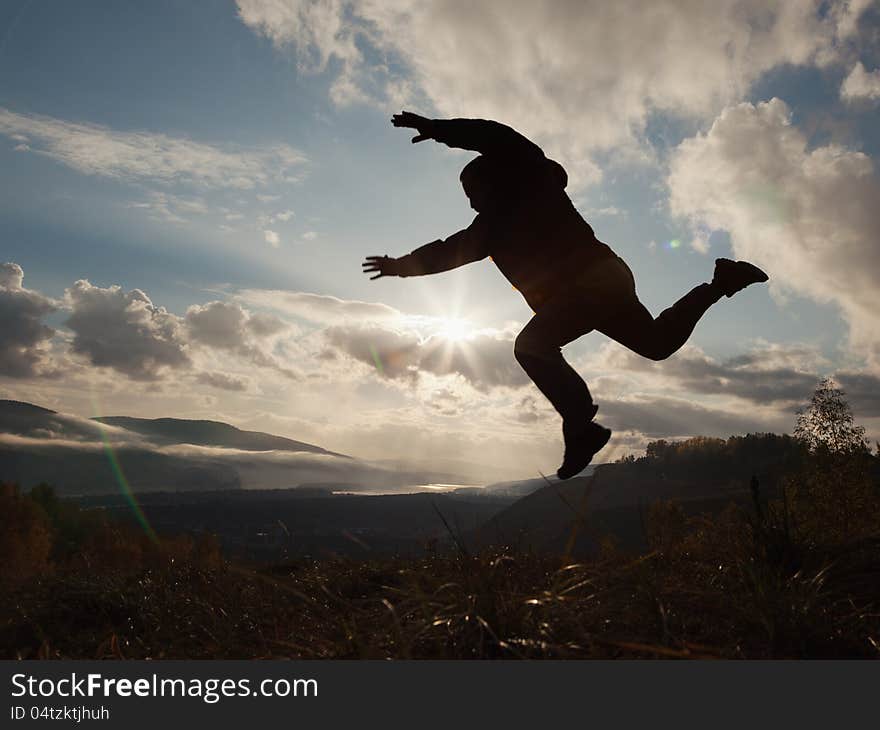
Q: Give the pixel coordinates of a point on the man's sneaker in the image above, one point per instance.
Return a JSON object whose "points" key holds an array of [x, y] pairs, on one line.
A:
{"points": [[573, 427], [581, 445], [732, 276]]}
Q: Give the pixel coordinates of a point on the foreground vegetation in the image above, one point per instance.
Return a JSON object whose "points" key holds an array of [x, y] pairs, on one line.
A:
{"points": [[794, 574], [769, 582]]}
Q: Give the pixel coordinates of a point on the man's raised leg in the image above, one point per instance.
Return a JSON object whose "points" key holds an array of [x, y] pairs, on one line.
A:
{"points": [[658, 338]]}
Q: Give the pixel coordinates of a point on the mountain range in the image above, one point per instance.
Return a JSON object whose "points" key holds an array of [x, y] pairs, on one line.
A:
{"points": [[102, 457], [81, 456]]}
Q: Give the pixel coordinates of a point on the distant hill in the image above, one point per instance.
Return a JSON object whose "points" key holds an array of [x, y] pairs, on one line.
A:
{"points": [[91, 471], [82, 456], [68, 452], [516, 488], [701, 474], [608, 503], [167, 431], [26, 419]]}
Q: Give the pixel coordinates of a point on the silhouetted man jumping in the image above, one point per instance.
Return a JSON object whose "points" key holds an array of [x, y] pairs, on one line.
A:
{"points": [[573, 282]]}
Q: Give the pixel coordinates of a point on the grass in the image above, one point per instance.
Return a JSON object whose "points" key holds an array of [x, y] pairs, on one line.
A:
{"points": [[677, 601], [794, 577]]}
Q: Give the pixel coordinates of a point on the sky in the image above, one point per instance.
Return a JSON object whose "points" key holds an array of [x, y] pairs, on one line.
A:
{"points": [[189, 189]]}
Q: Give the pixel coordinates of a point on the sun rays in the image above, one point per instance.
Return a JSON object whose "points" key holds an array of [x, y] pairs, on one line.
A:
{"points": [[455, 329]]}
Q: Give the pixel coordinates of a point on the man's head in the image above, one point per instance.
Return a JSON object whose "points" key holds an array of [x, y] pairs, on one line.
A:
{"points": [[478, 181], [488, 180]]}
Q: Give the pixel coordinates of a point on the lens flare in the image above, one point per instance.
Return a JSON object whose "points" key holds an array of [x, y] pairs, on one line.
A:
{"points": [[377, 360], [672, 245], [124, 487]]}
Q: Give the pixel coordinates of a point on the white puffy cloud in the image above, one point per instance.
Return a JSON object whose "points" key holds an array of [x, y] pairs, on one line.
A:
{"points": [[579, 76], [272, 238], [861, 84], [217, 324], [809, 217], [147, 156], [11, 276], [23, 335], [125, 331], [228, 326], [262, 325]]}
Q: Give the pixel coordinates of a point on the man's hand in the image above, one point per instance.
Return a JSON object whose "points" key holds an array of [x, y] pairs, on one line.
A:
{"points": [[422, 125], [381, 266]]}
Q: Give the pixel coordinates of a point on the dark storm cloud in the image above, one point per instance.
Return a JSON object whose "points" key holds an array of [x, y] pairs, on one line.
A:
{"points": [[673, 417], [862, 392], [764, 376]]}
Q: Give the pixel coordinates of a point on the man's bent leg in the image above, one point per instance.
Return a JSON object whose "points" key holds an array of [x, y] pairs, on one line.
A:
{"points": [[538, 349]]}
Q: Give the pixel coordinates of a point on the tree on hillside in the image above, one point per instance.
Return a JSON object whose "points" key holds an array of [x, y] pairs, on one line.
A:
{"points": [[827, 423], [835, 498]]}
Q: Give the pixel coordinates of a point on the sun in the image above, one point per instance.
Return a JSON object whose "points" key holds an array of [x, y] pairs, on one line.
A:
{"points": [[455, 329]]}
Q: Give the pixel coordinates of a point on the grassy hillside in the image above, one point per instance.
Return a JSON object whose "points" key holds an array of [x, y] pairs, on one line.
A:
{"points": [[793, 573], [700, 474]]}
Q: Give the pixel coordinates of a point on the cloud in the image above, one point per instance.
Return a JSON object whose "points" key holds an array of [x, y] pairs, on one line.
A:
{"points": [[262, 325], [148, 156], [265, 220], [809, 217], [194, 467], [223, 381], [485, 359], [766, 375], [862, 392], [217, 324], [23, 335], [759, 390], [666, 417], [320, 308], [62, 428], [11, 276], [581, 77], [272, 238], [401, 346], [171, 208], [228, 326], [125, 331], [861, 84]]}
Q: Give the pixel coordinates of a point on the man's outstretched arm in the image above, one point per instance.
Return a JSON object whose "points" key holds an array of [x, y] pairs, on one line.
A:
{"points": [[459, 249], [480, 135]]}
